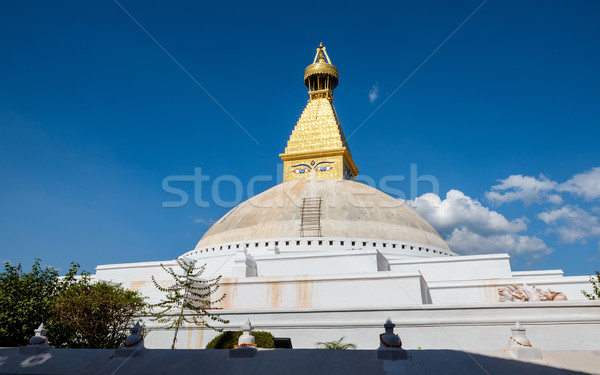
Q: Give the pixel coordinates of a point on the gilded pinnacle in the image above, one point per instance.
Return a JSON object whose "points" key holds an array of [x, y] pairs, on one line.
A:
{"points": [[317, 147]]}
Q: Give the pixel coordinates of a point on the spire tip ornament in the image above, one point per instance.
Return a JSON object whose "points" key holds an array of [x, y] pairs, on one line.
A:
{"points": [[317, 147], [321, 77]]}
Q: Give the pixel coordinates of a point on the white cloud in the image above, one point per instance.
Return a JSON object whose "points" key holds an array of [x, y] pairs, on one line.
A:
{"points": [[541, 189], [374, 93], [469, 227], [585, 184], [572, 223], [460, 210], [466, 242], [524, 188]]}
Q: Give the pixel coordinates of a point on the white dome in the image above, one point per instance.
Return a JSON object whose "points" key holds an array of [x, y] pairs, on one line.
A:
{"points": [[348, 210]]}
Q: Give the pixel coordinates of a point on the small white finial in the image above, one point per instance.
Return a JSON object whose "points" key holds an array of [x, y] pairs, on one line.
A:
{"points": [[137, 329], [40, 337], [246, 339], [37, 344], [390, 345], [247, 326], [41, 330], [389, 340], [136, 339], [519, 344], [519, 337]]}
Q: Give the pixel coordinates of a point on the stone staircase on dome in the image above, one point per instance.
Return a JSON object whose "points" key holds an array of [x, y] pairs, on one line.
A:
{"points": [[310, 217]]}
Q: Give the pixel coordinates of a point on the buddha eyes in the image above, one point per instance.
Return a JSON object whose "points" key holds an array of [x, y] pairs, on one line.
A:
{"points": [[305, 168], [324, 169]]}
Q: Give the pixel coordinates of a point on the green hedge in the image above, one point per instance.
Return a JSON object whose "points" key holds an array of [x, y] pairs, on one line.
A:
{"points": [[228, 339]]}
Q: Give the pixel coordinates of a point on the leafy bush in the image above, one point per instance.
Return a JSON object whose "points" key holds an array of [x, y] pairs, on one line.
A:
{"points": [[596, 288], [25, 301], [336, 345], [228, 339], [78, 312], [99, 313]]}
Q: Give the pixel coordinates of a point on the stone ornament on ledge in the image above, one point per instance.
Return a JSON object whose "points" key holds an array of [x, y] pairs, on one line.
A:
{"points": [[390, 345], [246, 347], [520, 346], [37, 344], [526, 293], [133, 344]]}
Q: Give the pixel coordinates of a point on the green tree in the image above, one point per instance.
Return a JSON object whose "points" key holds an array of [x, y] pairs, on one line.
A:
{"points": [[95, 314], [77, 311], [188, 293], [336, 344], [25, 301], [596, 285]]}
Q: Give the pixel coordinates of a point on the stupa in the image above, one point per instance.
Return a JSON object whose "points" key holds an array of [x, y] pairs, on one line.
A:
{"points": [[321, 256]]}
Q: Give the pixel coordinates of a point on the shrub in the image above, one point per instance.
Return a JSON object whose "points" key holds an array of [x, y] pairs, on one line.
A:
{"points": [[98, 313], [336, 345], [228, 339], [78, 312], [25, 301], [596, 288]]}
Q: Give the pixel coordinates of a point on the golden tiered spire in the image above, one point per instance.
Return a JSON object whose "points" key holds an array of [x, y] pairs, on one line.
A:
{"points": [[317, 147]]}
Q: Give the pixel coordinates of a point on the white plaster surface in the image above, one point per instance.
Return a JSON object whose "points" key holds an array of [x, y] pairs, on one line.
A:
{"points": [[559, 326], [348, 209], [314, 292]]}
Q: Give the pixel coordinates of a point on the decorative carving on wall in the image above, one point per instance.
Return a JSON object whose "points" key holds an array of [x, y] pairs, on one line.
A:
{"points": [[526, 293]]}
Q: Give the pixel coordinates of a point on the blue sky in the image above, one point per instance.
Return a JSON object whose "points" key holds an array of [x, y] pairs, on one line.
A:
{"points": [[94, 115]]}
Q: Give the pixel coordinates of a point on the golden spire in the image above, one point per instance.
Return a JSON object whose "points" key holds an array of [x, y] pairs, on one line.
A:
{"points": [[321, 77], [317, 147]]}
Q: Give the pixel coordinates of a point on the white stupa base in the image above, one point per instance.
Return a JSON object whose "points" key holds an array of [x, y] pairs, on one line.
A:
{"points": [[526, 354]]}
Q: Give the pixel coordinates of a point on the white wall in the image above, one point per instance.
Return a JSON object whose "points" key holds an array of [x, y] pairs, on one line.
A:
{"points": [[329, 263], [486, 290], [565, 325], [374, 289], [342, 293], [487, 266]]}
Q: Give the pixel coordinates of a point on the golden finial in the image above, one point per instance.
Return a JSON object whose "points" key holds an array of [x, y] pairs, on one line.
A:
{"points": [[321, 76], [321, 56], [317, 148]]}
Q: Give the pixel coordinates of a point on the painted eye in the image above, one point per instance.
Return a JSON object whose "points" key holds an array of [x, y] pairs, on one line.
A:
{"points": [[325, 169], [300, 170]]}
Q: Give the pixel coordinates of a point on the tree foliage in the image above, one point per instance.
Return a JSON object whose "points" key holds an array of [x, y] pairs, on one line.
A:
{"points": [[228, 339], [596, 287], [98, 313], [25, 301], [188, 298], [336, 344], [77, 311]]}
